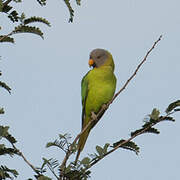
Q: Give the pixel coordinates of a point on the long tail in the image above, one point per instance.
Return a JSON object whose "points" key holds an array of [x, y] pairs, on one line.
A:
{"points": [[81, 143]]}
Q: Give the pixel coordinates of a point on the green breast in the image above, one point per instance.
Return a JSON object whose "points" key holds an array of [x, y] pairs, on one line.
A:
{"points": [[101, 88]]}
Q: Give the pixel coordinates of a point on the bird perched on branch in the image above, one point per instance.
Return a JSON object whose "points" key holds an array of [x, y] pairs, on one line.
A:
{"points": [[97, 88]]}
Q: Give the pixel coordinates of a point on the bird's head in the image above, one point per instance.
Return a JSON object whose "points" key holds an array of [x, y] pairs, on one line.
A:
{"points": [[100, 57]]}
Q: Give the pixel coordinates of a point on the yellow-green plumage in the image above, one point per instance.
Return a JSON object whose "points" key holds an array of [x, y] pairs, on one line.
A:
{"points": [[97, 88]]}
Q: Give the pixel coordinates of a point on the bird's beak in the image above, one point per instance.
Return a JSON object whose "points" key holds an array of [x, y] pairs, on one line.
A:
{"points": [[91, 62]]}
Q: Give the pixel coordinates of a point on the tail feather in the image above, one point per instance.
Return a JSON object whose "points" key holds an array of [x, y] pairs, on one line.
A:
{"points": [[81, 143]]}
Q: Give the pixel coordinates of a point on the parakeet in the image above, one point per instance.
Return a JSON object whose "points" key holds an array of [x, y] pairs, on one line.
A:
{"points": [[97, 88]]}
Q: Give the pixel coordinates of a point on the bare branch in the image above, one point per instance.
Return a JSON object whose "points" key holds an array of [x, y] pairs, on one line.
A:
{"points": [[136, 70], [128, 140]]}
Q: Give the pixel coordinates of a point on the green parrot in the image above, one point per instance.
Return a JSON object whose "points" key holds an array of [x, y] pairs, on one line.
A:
{"points": [[97, 88]]}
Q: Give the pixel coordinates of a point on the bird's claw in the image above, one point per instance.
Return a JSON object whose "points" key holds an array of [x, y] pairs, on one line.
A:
{"points": [[93, 115], [104, 107]]}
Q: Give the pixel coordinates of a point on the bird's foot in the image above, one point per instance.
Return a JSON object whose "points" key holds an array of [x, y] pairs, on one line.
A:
{"points": [[104, 107], [93, 116]]}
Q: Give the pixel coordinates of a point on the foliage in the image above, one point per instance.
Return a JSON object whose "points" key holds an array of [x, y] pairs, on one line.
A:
{"points": [[5, 86], [62, 142], [81, 169], [173, 107], [23, 27], [6, 173], [130, 145], [42, 2], [35, 19], [71, 11], [6, 39]]}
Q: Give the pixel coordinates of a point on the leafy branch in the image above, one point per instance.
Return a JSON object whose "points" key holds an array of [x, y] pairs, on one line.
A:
{"points": [[5, 172], [71, 11], [81, 169], [146, 128], [25, 28]]}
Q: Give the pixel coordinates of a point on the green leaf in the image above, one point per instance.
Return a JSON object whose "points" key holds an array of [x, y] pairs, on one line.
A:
{"points": [[6, 39], [5, 134], [99, 150], [152, 130], [28, 29], [5, 86], [13, 16], [169, 118], [43, 178], [128, 145], [71, 11], [49, 144], [1, 111], [10, 138], [7, 151], [53, 163], [155, 114], [6, 8], [105, 147], [17, 1], [81, 174], [172, 106], [1, 5], [5, 172], [65, 136], [42, 2], [148, 130], [60, 144], [68, 169], [85, 161], [133, 133], [22, 17], [73, 175], [78, 2], [36, 19], [4, 131]]}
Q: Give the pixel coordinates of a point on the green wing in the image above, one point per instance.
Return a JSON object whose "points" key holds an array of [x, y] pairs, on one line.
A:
{"points": [[84, 93]]}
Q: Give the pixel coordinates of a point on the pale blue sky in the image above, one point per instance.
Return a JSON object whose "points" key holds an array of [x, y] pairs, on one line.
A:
{"points": [[45, 78]]}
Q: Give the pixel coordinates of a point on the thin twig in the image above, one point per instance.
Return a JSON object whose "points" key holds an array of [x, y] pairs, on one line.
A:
{"points": [[136, 70], [21, 154], [3, 37], [9, 34], [128, 140], [52, 171]]}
